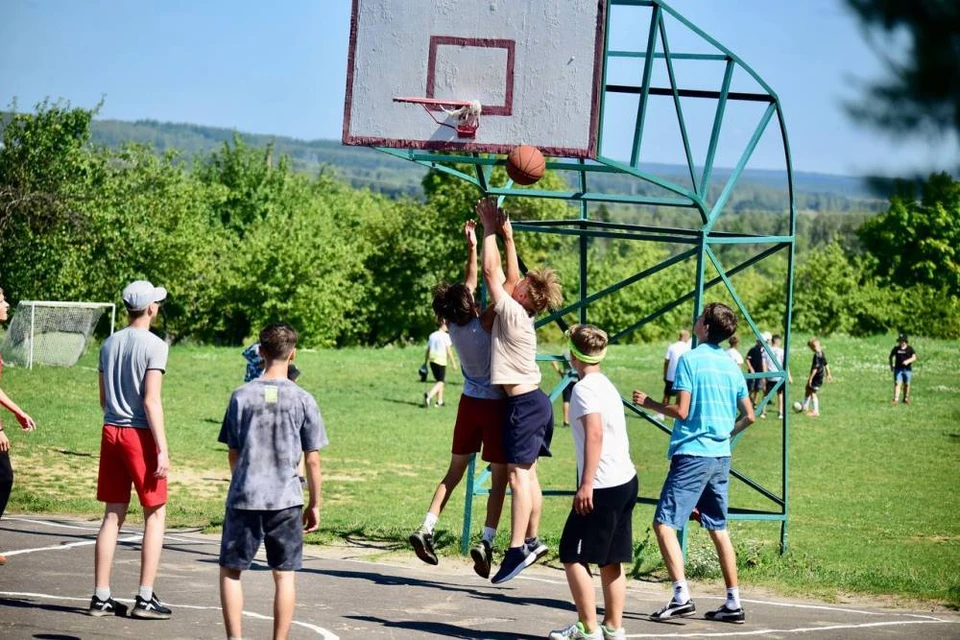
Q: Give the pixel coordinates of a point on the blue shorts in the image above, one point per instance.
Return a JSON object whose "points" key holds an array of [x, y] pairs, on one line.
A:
{"points": [[281, 532], [695, 481], [528, 427], [902, 375]]}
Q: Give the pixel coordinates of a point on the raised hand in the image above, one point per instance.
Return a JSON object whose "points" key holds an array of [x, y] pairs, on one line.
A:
{"points": [[505, 229], [469, 230], [488, 211]]}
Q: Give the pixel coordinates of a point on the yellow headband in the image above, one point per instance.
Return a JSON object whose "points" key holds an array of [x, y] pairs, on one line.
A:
{"points": [[594, 359]]}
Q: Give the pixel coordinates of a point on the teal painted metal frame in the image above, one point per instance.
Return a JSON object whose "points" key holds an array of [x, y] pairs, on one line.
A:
{"points": [[701, 241]]}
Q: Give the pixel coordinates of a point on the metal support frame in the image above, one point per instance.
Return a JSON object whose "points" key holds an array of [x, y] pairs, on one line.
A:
{"points": [[700, 242]]}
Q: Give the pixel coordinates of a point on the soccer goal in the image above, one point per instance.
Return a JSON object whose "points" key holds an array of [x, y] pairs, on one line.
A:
{"points": [[53, 333]]}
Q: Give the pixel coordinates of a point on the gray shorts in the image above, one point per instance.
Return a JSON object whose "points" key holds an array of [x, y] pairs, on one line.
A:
{"points": [[281, 532]]}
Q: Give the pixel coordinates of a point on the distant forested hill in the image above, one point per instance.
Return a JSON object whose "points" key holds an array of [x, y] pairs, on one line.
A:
{"points": [[759, 190]]}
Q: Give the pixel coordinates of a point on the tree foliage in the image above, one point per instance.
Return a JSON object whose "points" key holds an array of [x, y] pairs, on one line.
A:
{"points": [[241, 238]]}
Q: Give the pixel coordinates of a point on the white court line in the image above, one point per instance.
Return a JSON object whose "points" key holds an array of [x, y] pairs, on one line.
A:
{"points": [[52, 524], [68, 545], [324, 633], [761, 632]]}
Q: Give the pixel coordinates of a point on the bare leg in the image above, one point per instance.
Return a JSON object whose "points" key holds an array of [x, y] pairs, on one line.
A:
{"points": [[498, 489], [284, 603], [114, 514], [521, 503], [458, 464], [584, 594], [231, 601], [536, 502], [670, 550], [614, 582], [566, 413], [726, 555], [896, 391], [436, 390], [906, 391], [153, 529]]}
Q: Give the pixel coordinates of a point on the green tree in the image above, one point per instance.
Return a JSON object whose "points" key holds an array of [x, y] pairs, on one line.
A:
{"points": [[918, 242]]}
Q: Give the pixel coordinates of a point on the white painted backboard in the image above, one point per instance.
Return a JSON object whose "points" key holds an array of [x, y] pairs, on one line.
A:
{"points": [[535, 66]]}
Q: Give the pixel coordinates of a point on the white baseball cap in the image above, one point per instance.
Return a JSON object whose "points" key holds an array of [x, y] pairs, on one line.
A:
{"points": [[141, 294]]}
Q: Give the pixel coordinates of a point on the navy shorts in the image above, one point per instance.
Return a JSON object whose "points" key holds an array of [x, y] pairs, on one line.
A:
{"points": [[695, 481], [281, 532], [528, 427], [756, 384], [605, 535]]}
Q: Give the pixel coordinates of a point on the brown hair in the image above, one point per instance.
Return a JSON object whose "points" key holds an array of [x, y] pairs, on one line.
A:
{"points": [[588, 339], [544, 289], [813, 342], [277, 341], [721, 322], [454, 303], [734, 341]]}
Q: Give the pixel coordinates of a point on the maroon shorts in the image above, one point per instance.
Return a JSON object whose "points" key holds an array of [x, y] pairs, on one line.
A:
{"points": [[129, 456], [480, 420]]}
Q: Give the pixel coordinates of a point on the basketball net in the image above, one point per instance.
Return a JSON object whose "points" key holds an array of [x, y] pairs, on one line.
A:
{"points": [[468, 118]]}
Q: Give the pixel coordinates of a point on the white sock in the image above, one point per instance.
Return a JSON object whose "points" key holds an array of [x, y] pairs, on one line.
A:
{"points": [[681, 593], [102, 593], [145, 592], [806, 403], [733, 598], [816, 404], [489, 533], [430, 521]]}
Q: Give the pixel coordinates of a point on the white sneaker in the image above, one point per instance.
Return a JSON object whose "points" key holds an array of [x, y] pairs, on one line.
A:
{"points": [[613, 634], [659, 416], [575, 630]]}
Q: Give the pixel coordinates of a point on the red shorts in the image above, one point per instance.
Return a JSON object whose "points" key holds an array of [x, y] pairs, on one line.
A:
{"points": [[129, 456], [480, 420]]}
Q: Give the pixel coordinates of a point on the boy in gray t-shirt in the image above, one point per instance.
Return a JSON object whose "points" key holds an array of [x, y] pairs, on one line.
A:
{"points": [[269, 422]]}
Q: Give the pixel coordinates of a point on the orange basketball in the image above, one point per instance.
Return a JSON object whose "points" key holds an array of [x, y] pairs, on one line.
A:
{"points": [[525, 164]]}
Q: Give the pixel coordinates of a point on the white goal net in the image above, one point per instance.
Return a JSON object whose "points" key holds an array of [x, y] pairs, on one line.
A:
{"points": [[54, 333]]}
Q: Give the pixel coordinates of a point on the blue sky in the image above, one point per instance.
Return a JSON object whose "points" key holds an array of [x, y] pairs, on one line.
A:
{"points": [[280, 68]]}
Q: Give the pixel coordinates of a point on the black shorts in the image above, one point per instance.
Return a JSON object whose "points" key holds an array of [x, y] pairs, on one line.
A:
{"points": [[756, 384], [439, 372], [568, 390], [668, 388], [816, 383], [771, 383], [281, 532], [527, 427], [605, 535]]}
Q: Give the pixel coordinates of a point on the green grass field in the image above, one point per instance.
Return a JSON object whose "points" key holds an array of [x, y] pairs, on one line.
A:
{"points": [[873, 487]]}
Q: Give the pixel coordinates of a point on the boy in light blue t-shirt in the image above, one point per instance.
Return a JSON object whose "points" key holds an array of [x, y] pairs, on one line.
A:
{"points": [[710, 391]]}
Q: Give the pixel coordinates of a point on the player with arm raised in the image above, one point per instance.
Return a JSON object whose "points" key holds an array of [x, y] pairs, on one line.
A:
{"points": [[528, 425]]}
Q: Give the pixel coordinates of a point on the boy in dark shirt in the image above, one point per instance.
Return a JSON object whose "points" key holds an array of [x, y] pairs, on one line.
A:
{"points": [[901, 360], [818, 369], [756, 364]]}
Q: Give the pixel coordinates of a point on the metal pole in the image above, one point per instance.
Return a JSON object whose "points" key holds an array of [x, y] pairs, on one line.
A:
{"points": [[33, 318]]}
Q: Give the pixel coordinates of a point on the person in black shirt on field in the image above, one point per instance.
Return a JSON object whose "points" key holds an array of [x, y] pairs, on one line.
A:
{"points": [[818, 370], [901, 360], [756, 364]]}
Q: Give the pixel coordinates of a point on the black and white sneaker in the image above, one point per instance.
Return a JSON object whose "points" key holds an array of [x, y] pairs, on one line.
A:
{"points": [[674, 610], [726, 614], [482, 554], [422, 542], [515, 560], [108, 607], [535, 548], [151, 609]]}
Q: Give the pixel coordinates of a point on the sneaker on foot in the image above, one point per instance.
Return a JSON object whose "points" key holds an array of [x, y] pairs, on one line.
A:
{"points": [[674, 610], [482, 554], [426, 400], [726, 614], [659, 416], [535, 548], [422, 542], [515, 560], [906, 401], [811, 414], [576, 630], [613, 634], [439, 403], [151, 609], [108, 607], [895, 401], [3, 559]]}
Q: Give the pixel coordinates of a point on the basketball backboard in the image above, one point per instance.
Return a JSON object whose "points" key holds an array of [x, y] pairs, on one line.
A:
{"points": [[535, 66]]}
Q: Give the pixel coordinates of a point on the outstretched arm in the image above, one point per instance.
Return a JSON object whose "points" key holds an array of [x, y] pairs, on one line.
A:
{"points": [[488, 212], [510, 251], [470, 278], [25, 421]]}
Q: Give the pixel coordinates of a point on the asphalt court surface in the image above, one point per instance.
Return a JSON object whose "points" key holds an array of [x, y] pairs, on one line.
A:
{"points": [[364, 592]]}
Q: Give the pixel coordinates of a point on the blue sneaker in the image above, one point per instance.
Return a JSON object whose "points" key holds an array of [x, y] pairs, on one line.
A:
{"points": [[536, 548], [515, 560]]}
